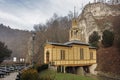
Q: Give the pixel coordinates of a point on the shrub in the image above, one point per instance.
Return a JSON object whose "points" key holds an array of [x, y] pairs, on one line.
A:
{"points": [[42, 67], [4, 52], [107, 38], [118, 42], [94, 39], [30, 74]]}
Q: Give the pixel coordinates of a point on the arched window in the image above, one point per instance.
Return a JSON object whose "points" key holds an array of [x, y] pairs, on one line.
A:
{"points": [[47, 56]]}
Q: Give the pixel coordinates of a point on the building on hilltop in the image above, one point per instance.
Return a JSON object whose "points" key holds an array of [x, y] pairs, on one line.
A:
{"points": [[74, 56]]}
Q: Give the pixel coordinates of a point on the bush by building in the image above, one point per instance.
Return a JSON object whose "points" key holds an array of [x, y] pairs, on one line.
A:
{"points": [[40, 68], [30, 74]]}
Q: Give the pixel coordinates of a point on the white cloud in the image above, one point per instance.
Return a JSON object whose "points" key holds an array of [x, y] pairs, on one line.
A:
{"points": [[12, 20], [8, 16], [23, 14]]}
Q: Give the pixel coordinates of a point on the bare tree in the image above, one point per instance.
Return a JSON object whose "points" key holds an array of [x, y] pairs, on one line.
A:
{"points": [[55, 30]]}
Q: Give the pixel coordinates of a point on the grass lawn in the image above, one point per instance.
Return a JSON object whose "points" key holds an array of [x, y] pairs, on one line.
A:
{"points": [[52, 75]]}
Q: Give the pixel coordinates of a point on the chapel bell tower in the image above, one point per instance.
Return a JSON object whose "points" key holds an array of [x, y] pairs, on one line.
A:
{"points": [[74, 31]]}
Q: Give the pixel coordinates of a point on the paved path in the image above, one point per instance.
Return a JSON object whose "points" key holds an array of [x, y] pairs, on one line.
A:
{"points": [[12, 76]]}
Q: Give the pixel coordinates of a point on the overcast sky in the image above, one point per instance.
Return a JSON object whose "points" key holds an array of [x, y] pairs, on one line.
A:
{"points": [[23, 14]]}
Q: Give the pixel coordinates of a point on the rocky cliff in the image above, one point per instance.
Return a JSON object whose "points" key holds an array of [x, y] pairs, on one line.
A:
{"points": [[95, 17], [99, 17]]}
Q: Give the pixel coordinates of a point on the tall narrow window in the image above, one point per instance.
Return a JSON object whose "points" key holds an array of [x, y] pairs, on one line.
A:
{"points": [[81, 53], [91, 55], [47, 56], [62, 54]]}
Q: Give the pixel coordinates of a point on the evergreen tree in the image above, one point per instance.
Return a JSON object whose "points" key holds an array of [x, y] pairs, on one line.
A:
{"points": [[108, 38], [4, 52], [94, 39]]}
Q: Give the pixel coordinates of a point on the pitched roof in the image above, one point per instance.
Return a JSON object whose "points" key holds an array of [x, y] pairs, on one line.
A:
{"points": [[58, 44], [76, 42], [68, 44], [92, 47]]}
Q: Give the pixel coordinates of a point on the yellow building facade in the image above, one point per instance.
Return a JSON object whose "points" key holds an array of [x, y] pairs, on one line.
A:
{"points": [[74, 53], [69, 55]]}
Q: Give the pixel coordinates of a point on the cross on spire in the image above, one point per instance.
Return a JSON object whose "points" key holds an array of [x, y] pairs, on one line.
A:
{"points": [[74, 12]]}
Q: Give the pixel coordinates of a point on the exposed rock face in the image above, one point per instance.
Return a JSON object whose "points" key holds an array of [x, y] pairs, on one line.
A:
{"points": [[99, 17], [92, 14], [92, 69], [99, 10]]}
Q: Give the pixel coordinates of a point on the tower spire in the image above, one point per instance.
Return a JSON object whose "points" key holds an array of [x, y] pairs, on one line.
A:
{"points": [[74, 20], [74, 31], [74, 12]]}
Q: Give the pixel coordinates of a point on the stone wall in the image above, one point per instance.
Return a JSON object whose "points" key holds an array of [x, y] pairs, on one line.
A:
{"points": [[92, 69]]}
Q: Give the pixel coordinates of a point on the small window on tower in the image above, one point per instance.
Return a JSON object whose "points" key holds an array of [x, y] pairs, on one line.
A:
{"points": [[75, 32]]}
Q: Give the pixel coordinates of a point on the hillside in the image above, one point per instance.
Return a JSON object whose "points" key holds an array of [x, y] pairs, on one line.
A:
{"points": [[16, 40], [99, 17], [109, 60]]}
